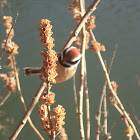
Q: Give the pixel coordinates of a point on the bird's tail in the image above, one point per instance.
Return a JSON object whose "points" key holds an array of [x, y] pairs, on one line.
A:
{"points": [[30, 71]]}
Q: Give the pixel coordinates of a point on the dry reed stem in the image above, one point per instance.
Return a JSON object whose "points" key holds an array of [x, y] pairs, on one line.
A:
{"points": [[23, 102], [52, 137], [87, 105], [105, 102], [81, 89], [138, 80], [63, 135], [75, 33], [13, 66], [5, 98], [103, 98], [120, 111], [81, 85], [135, 115], [116, 97], [29, 111], [105, 112], [25, 109], [75, 95]]}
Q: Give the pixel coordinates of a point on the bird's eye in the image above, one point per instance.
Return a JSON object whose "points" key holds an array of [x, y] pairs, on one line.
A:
{"points": [[73, 62]]}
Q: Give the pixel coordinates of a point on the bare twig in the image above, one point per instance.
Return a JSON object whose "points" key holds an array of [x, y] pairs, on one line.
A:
{"points": [[103, 98], [63, 135], [135, 115], [52, 135], [112, 59], [29, 111], [81, 86], [23, 102], [116, 97], [75, 33], [75, 95], [5, 98], [138, 80], [105, 111], [87, 105], [104, 92]]}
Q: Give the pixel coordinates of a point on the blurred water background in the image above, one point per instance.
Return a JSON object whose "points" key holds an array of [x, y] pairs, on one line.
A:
{"points": [[117, 23]]}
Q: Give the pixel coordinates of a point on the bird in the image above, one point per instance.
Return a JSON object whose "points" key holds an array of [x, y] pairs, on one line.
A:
{"points": [[67, 63]]}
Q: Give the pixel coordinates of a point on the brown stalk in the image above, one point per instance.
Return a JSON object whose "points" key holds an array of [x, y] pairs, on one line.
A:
{"points": [[52, 136], [75, 95], [104, 89], [5, 98], [135, 115], [23, 102], [103, 98], [116, 97], [75, 33], [81, 85], [87, 105], [18, 83], [29, 111]]}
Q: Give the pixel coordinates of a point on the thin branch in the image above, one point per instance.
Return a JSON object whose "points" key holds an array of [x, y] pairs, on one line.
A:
{"points": [[81, 86], [138, 80], [52, 135], [105, 111], [5, 98], [29, 111], [87, 105], [99, 117], [121, 112], [103, 97], [23, 102], [115, 96], [135, 115], [75, 95], [104, 90], [75, 33]]}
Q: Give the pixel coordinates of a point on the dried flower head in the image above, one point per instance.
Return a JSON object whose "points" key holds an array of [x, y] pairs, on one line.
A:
{"points": [[47, 98], [43, 111], [75, 10], [90, 25], [10, 47], [95, 46], [56, 122], [129, 131], [114, 85], [58, 117], [8, 25], [78, 41], [123, 117], [111, 96], [48, 70], [9, 82]]}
